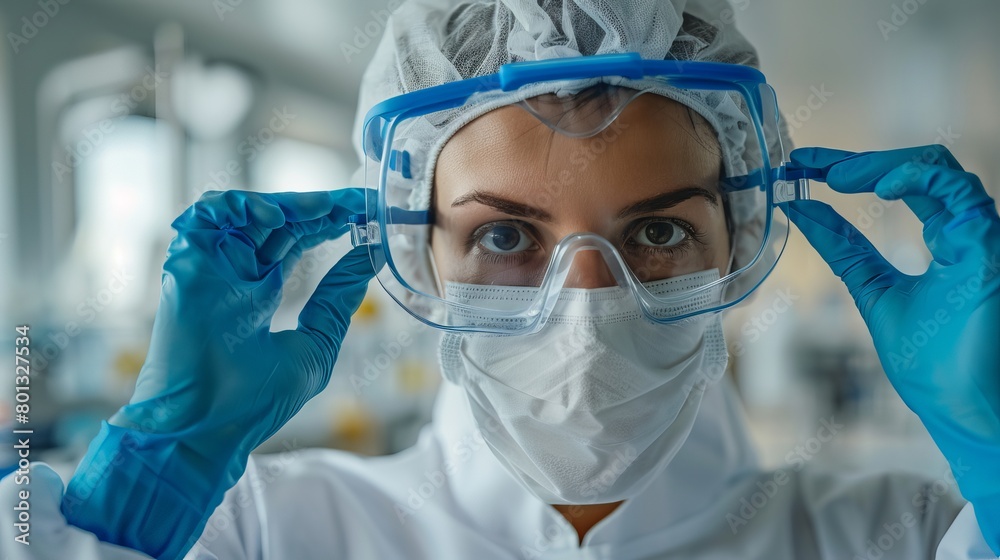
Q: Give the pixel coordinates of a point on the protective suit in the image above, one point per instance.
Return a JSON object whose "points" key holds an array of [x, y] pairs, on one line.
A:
{"points": [[448, 497]]}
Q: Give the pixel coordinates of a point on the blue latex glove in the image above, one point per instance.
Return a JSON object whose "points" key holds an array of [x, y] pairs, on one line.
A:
{"points": [[216, 383], [937, 334]]}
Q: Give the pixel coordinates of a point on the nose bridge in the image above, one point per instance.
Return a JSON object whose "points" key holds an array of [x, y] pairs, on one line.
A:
{"points": [[589, 270]]}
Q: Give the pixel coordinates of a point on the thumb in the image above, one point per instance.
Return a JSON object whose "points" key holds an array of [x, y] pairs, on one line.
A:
{"points": [[850, 255], [328, 312], [820, 159]]}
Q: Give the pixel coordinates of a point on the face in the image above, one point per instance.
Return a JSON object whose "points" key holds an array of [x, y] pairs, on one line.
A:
{"points": [[507, 188]]}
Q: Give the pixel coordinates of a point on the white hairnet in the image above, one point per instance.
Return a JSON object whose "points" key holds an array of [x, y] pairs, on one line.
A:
{"points": [[432, 42]]}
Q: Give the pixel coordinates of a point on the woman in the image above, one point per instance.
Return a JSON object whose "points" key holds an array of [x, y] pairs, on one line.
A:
{"points": [[575, 226]]}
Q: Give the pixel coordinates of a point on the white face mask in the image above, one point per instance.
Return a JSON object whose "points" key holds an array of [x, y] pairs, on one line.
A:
{"points": [[591, 408]]}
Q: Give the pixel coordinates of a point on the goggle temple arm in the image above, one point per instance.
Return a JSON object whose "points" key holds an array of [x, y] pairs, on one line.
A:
{"points": [[788, 182], [364, 232]]}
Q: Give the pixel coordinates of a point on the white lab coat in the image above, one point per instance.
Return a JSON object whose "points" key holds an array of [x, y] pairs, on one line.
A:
{"points": [[448, 497]]}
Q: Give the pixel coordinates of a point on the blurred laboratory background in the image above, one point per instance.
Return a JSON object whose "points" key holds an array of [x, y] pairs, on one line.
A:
{"points": [[117, 114]]}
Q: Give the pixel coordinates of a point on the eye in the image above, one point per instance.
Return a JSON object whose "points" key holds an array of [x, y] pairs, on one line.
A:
{"points": [[503, 238], [659, 234]]}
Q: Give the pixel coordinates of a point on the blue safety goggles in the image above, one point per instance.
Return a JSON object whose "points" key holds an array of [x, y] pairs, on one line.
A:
{"points": [[403, 137]]}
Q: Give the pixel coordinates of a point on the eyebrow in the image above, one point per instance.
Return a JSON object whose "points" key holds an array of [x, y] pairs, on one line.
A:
{"points": [[504, 205], [668, 200], [521, 210]]}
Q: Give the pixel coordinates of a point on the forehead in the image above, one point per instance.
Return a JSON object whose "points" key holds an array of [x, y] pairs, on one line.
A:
{"points": [[654, 140]]}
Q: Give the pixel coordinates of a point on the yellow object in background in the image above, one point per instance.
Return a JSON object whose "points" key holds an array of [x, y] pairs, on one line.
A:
{"points": [[414, 378], [355, 428], [368, 311], [128, 362]]}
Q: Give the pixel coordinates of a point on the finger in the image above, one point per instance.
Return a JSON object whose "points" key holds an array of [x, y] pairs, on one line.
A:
{"points": [[294, 253], [234, 222], [257, 214], [849, 253], [280, 241], [311, 213], [237, 225], [304, 206], [930, 211], [861, 172], [943, 199], [956, 191], [821, 159], [327, 314], [237, 209]]}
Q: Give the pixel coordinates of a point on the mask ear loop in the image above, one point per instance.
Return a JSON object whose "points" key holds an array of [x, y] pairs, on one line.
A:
{"points": [[732, 237], [432, 218], [732, 257], [429, 261], [434, 272], [732, 248]]}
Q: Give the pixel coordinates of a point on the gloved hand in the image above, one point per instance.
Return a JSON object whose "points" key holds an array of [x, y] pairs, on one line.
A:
{"points": [[937, 334], [216, 382]]}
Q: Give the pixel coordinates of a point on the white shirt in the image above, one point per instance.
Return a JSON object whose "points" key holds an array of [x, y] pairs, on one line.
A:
{"points": [[448, 497]]}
